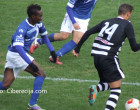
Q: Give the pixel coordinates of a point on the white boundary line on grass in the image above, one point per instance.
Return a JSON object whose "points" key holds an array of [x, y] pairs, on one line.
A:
{"points": [[73, 80]]}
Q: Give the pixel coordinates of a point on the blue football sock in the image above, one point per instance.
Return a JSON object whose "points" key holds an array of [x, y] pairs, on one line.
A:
{"points": [[1, 86], [51, 37], [37, 87], [40, 41], [66, 48]]}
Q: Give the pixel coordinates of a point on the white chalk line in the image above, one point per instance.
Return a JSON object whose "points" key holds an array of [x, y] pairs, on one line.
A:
{"points": [[73, 80]]}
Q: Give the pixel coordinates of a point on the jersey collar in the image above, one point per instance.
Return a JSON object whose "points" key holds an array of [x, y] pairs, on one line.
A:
{"points": [[29, 23], [122, 18]]}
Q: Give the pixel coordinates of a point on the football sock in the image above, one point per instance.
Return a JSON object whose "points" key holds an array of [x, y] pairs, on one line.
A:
{"points": [[51, 37], [113, 98], [102, 87], [37, 87], [40, 41], [66, 48], [1, 86]]}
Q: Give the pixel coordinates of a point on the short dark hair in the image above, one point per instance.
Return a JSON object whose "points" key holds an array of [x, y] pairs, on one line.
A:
{"points": [[124, 8], [32, 9]]}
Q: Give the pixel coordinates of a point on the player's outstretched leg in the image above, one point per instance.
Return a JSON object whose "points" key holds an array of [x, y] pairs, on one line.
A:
{"points": [[66, 48], [38, 41], [34, 96], [92, 94]]}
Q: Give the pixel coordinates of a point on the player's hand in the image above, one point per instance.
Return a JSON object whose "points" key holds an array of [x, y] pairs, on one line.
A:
{"points": [[34, 67], [76, 26], [74, 53], [54, 56]]}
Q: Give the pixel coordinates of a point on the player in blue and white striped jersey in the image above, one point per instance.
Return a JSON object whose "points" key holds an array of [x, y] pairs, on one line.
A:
{"points": [[18, 57], [75, 21]]}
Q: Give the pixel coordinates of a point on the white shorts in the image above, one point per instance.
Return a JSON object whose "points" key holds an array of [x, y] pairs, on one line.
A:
{"points": [[14, 61], [67, 25]]}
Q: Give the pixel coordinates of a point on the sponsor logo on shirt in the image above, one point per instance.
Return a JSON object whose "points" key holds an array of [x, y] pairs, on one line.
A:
{"points": [[32, 30], [103, 41]]}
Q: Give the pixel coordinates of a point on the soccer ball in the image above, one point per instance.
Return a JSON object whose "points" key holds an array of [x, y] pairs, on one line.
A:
{"points": [[132, 104]]}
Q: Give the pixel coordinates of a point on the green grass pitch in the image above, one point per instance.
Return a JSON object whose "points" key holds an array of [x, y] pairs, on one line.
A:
{"points": [[61, 94]]}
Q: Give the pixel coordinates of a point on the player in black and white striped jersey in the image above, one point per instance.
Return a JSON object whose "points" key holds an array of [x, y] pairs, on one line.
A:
{"points": [[105, 49]]}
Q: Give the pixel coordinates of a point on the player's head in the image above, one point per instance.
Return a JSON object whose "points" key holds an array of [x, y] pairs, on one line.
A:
{"points": [[34, 13], [125, 10]]}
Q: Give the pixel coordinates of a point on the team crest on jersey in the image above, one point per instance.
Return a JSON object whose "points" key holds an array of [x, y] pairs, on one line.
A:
{"points": [[86, 1]]}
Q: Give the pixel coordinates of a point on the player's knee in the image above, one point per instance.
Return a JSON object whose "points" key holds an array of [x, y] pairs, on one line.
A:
{"points": [[64, 36], [42, 74]]}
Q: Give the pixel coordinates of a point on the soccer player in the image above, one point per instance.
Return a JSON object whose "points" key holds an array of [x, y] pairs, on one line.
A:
{"points": [[75, 21], [105, 49], [18, 57]]}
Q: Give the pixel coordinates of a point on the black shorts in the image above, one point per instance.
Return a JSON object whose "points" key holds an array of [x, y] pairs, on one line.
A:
{"points": [[108, 68]]}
